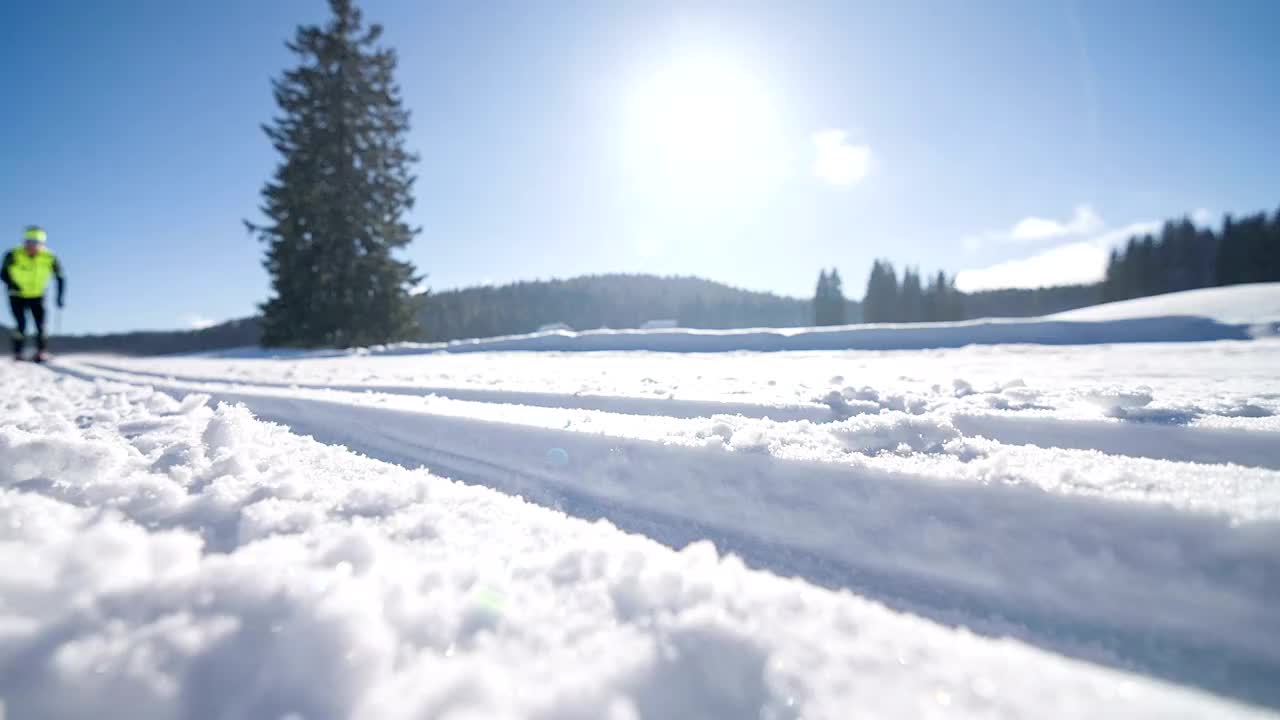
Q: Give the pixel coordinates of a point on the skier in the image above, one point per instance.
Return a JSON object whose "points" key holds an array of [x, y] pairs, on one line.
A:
{"points": [[26, 273]]}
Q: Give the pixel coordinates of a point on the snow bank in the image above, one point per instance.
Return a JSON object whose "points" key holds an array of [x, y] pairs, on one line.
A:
{"points": [[857, 337], [166, 559]]}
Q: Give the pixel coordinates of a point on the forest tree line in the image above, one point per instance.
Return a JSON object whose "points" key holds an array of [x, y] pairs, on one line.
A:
{"points": [[909, 299], [1185, 257], [1180, 257], [604, 301]]}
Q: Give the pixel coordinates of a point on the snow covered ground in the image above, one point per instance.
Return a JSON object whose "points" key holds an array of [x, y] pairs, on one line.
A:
{"points": [[1025, 531], [993, 531]]}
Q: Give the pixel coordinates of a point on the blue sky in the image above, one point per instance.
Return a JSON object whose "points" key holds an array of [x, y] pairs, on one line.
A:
{"points": [[747, 142]]}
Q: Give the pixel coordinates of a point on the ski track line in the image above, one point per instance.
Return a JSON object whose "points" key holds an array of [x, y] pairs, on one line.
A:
{"points": [[626, 405], [1159, 441], [1252, 448], [1180, 595]]}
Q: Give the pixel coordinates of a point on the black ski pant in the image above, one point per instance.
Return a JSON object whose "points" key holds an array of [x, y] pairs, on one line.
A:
{"points": [[20, 306]]}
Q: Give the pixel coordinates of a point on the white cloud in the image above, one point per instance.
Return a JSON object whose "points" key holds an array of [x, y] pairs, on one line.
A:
{"points": [[1079, 262], [197, 322], [1083, 261], [838, 162], [1201, 217], [1083, 221]]}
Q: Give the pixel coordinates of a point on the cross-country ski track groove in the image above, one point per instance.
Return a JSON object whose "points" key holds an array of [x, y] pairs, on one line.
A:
{"points": [[664, 407], [1000, 559], [1153, 440]]}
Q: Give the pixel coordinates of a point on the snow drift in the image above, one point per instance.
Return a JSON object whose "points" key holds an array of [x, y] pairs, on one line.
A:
{"points": [[1251, 304], [859, 337]]}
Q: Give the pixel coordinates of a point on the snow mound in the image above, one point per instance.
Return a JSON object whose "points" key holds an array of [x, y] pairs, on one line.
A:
{"points": [[916, 336], [1253, 304]]}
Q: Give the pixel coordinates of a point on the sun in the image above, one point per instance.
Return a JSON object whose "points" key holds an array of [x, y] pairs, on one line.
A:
{"points": [[704, 126]]}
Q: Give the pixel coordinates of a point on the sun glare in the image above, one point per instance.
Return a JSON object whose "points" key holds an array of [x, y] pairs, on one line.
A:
{"points": [[705, 126]]}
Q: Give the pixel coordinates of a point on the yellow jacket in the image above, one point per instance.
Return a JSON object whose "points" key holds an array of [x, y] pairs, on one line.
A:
{"points": [[27, 276]]}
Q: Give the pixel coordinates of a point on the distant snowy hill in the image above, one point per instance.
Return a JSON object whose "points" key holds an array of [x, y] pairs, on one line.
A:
{"points": [[1238, 312]]}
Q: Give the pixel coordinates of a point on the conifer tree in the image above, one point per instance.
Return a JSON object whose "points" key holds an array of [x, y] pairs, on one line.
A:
{"points": [[820, 298], [836, 301], [912, 297], [828, 301], [880, 304], [336, 205]]}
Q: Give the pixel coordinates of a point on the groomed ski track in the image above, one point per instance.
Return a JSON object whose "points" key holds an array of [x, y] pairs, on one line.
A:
{"points": [[1083, 576]]}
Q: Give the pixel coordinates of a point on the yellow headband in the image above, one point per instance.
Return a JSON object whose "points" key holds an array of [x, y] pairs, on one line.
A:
{"points": [[34, 235]]}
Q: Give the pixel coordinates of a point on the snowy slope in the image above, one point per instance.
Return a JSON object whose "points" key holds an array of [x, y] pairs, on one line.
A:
{"points": [[1090, 509], [1254, 304]]}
